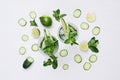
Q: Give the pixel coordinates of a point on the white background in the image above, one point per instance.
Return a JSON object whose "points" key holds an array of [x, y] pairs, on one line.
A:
{"points": [[108, 18]]}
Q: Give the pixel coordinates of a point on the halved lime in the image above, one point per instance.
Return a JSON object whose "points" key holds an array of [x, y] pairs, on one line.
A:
{"points": [[46, 21]]}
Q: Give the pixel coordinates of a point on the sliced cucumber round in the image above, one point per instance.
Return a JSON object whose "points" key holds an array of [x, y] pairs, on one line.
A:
{"points": [[33, 14], [35, 33], [96, 30], [77, 58], [93, 58], [91, 17], [84, 26], [87, 66], [35, 47], [22, 50], [84, 46], [22, 22], [28, 62], [25, 37], [63, 53], [65, 66], [77, 13]]}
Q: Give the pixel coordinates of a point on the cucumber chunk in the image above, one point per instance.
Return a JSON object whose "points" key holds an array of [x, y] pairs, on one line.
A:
{"points": [[24, 37], [77, 58], [22, 50], [84, 26], [96, 30], [87, 66], [77, 13], [91, 17], [33, 14], [28, 62], [65, 67], [22, 22], [63, 53], [35, 47], [35, 33], [93, 58]]}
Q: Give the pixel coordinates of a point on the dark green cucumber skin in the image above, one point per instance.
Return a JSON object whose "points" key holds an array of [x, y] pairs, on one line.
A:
{"points": [[26, 64]]}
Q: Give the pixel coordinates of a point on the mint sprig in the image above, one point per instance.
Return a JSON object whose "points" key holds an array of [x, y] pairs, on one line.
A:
{"points": [[92, 44]]}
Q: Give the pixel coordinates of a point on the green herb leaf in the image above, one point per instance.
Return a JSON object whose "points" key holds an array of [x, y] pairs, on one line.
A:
{"points": [[55, 62], [33, 23], [92, 44], [52, 61], [47, 63], [72, 34], [71, 41], [48, 50], [57, 15], [93, 49], [62, 15]]}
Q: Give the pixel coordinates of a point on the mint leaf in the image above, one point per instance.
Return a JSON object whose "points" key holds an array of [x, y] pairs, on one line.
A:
{"points": [[52, 61], [93, 49], [46, 63], [55, 62], [92, 44], [71, 41], [71, 36], [57, 15], [62, 15], [33, 23]]}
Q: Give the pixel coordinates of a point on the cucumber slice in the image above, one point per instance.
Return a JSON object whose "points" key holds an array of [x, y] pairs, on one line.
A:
{"points": [[35, 33], [91, 17], [22, 50], [28, 62], [77, 13], [84, 26], [24, 37], [93, 58], [77, 58], [63, 53], [22, 22], [96, 30], [33, 14], [84, 46], [87, 66], [35, 47], [65, 66]]}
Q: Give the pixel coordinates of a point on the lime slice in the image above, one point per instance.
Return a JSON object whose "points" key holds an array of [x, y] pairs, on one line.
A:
{"points": [[35, 33], [91, 17], [84, 46]]}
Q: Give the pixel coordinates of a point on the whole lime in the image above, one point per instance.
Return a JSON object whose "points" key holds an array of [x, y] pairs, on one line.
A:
{"points": [[46, 21]]}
